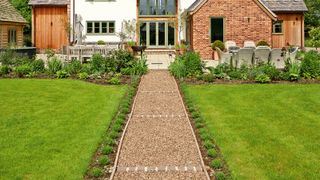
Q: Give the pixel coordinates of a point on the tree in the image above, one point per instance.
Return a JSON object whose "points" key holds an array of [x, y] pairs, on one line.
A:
{"points": [[315, 37], [312, 17]]}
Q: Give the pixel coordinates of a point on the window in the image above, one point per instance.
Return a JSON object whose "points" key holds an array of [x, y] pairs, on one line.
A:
{"points": [[216, 29], [277, 27], [101, 27], [12, 36], [157, 7]]}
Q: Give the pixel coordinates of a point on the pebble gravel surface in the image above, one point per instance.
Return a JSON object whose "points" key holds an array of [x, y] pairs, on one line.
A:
{"points": [[159, 142]]}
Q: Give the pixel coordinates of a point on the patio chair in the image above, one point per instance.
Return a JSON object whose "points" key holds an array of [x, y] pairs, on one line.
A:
{"points": [[249, 44], [229, 44], [277, 58], [244, 57], [261, 55], [224, 57]]}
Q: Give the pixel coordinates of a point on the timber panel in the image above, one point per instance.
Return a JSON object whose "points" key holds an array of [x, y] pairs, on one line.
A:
{"points": [[293, 26], [50, 27], [4, 27]]}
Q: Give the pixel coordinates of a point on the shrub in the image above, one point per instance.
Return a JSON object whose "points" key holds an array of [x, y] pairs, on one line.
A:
{"points": [[294, 72], [311, 64], [22, 70], [96, 172], [4, 70], [83, 75], [86, 68], [54, 65], [114, 81], [208, 144], [218, 44], [32, 75], [139, 68], [220, 176], [114, 134], [98, 63], [178, 68], [62, 74], [262, 78], [38, 66], [106, 150], [212, 153], [193, 63], [119, 59], [117, 127], [104, 160], [208, 77], [269, 70], [262, 43], [7, 57], [74, 67], [216, 164]]}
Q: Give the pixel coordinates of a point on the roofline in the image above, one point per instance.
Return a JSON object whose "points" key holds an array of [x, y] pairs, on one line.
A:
{"points": [[271, 14], [24, 23]]}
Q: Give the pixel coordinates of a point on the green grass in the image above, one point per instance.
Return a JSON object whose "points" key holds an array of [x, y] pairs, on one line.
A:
{"points": [[264, 131], [50, 129]]}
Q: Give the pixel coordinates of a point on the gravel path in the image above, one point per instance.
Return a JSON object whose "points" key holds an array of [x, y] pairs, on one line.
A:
{"points": [[159, 142]]}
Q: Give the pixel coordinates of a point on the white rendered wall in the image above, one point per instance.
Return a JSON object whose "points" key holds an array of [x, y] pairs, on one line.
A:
{"points": [[185, 4], [103, 10]]}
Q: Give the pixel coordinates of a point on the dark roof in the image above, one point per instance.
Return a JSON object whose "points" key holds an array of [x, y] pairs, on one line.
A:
{"points": [[273, 5], [285, 5], [48, 2], [9, 14]]}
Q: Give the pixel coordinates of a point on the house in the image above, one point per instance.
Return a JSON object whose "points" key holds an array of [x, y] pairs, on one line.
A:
{"points": [[278, 22], [50, 23], [11, 25], [161, 24]]}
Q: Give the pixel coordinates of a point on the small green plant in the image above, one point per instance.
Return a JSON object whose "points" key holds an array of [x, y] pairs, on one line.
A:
{"points": [[208, 77], [32, 75], [220, 176], [216, 164], [37, 66], [96, 172], [311, 64], [98, 63], [208, 144], [104, 160], [262, 43], [294, 72], [263, 78], [218, 44], [114, 134], [131, 43], [106, 150], [62, 74], [140, 67], [83, 75], [117, 127], [109, 141], [114, 81], [315, 37], [54, 65], [22, 70], [74, 67], [178, 68], [101, 42], [212, 153]]}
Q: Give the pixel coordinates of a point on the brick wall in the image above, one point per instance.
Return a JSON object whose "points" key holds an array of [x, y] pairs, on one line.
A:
{"points": [[237, 27]]}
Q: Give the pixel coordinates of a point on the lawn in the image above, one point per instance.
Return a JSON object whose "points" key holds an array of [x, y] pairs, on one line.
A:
{"points": [[50, 129], [264, 131]]}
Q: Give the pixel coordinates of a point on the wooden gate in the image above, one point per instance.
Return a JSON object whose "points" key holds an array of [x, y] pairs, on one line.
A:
{"points": [[50, 27]]}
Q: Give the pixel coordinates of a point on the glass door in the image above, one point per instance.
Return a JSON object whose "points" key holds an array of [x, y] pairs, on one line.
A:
{"points": [[157, 34]]}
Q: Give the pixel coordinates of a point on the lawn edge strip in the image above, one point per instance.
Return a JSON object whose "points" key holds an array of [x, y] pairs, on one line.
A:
{"points": [[104, 158], [217, 167]]}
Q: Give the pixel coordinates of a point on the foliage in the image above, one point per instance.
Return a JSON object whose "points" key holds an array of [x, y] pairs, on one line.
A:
{"points": [[50, 53], [10, 58], [218, 44], [193, 63], [37, 66], [208, 77], [22, 70], [54, 65], [312, 16], [74, 67], [310, 66], [315, 37], [101, 42], [104, 160], [96, 172], [262, 43], [107, 150], [83, 75], [294, 72], [114, 81], [140, 67], [62, 74], [25, 10], [119, 59], [178, 68], [216, 164], [98, 63], [212, 153], [4, 70], [131, 43], [262, 78], [220, 176]]}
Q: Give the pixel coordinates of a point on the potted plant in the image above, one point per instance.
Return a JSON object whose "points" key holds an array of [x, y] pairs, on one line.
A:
{"points": [[216, 44], [130, 44], [263, 43]]}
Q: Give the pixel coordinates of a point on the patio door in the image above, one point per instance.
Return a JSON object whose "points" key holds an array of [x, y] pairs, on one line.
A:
{"points": [[159, 34]]}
